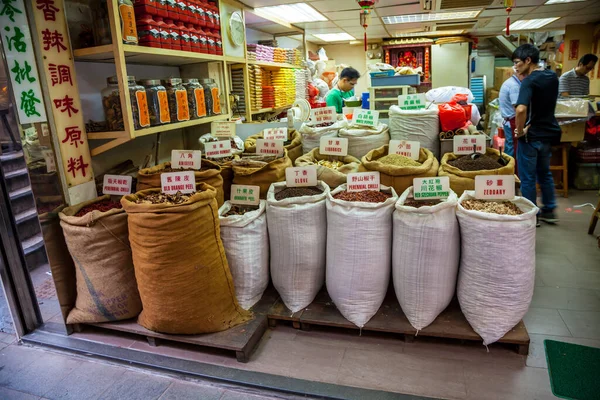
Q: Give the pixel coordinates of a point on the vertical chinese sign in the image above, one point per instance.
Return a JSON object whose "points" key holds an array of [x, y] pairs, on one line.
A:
{"points": [[59, 69], [20, 59], [574, 50]]}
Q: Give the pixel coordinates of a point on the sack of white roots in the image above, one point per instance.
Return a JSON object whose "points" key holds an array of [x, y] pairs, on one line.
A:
{"points": [[359, 254], [425, 256], [497, 265]]}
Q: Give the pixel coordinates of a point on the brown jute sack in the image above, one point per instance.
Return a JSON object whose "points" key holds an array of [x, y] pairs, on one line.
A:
{"points": [[180, 264], [333, 178], [294, 148], [465, 180], [400, 178], [210, 173], [99, 245], [261, 174]]}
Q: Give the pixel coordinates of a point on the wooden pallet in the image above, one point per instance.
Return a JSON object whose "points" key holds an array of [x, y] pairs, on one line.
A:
{"points": [[450, 324]]}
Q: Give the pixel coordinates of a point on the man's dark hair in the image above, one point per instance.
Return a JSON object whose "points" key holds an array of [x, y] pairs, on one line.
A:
{"points": [[585, 60], [525, 51], [350, 74]]}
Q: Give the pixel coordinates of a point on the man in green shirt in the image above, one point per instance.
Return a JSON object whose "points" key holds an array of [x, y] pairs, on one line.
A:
{"points": [[343, 89]]}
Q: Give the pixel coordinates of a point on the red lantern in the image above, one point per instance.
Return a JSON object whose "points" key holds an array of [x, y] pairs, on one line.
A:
{"points": [[508, 4]]}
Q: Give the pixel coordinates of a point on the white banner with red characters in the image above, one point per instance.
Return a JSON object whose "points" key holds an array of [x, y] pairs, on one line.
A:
{"points": [[466, 144], [323, 115], [333, 146], [219, 149], [359, 181], [186, 159], [117, 184], [406, 148], [495, 187], [269, 147], [301, 176], [173, 182]]}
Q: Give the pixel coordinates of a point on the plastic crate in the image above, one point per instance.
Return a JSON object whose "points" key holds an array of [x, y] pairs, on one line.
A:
{"points": [[587, 176], [396, 80], [378, 74]]}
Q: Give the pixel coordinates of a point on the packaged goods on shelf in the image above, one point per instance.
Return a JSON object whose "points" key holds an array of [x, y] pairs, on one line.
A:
{"points": [[212, 96], [293, 146], [259, 173], [158, 102], [425, 257], [238, 89], [256, 83], [417, 125], [496, 277], [302, 83], [361, 140], [333, 177], [195, 96], [237, 145], [111, 102], [178, 99], [312, 134], [297, 236]]}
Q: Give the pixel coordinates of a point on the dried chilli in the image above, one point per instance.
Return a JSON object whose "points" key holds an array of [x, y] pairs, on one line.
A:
{"points": [[102, 206]]}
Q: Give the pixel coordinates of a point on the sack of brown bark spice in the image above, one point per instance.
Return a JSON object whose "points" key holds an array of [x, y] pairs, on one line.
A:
{"points": [[258, 173], [294, 148], [183, 276], [99, 245]]}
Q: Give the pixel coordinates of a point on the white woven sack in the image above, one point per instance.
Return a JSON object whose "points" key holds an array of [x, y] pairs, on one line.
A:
{"points": [[311, 136], [298, 239], [361, 140], [359, 254], [422, 126], [497, 267], [425, 257], [246, 244]]}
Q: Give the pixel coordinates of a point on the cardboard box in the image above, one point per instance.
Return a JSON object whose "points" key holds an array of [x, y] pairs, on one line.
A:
{"points": [[572, 132], [491, 94], [501, 74]]}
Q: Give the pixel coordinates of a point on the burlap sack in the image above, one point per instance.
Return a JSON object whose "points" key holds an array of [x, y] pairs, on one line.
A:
{"points": [[333, 178], [261, 175], [400, 178], [210, 173], [465, 180], [183, 277], [106, 285], [294, 149]]}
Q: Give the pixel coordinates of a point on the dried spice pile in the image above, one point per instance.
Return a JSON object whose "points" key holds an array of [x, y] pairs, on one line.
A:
{"points": [[399, 161], [484, 162], [102, 206], [420, 203], [367, 196], [492, 207], [297, 192], [239, 210], [334, 165], [161, 198]]}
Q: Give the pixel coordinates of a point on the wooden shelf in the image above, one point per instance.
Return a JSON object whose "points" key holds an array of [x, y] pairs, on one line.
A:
{"points": [[180, 125], [266, 110], [266, 64], [144, 55]]}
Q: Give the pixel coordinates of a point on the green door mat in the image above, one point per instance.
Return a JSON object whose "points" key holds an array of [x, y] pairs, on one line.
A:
{"points": [[574, 370]]}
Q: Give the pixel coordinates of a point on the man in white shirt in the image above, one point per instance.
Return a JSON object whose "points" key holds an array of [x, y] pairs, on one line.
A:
{"points": [[575, 82]]}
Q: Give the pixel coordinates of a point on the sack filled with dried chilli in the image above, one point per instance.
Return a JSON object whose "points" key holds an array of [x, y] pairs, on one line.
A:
{"points": [[293, 145], [258, 170], [497, 263], [297, 222], [312, 133], [425, 256], [332, 170], [359, 250], [180, 264], [363, 139], [97, 237], [398, 171], [246, 242]]}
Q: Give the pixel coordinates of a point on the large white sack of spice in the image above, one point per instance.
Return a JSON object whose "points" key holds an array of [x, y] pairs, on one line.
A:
{"points": [[422, 126], [425, 257], [311, 134], [246, 243], [497, 267], [297, 236], [362, 140], [359, 254]]}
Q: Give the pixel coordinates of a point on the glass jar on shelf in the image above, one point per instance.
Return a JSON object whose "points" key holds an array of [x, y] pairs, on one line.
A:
{"points": [[211, 96], [127, 16], [81, 23], [111, 102], [158, 102], [196, 101], [102, 34], [178, 99]]}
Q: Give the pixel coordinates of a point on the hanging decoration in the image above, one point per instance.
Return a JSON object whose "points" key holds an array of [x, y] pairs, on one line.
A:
{"points": [[508, 4], [366, 9]]}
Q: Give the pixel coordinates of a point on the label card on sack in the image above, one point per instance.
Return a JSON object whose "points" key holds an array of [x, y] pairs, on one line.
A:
{"points": [[223, 129], [269, 147], [333, 146], [365, 118], [359, 181], [431, 188], [301, 176], [495, 187], [463, 144], [412, 101], [49, 160], [173, 182], [245, 195], [406, 148], [117, 184], [276, 133], [219, 149], [323, 115], [186, 159]]}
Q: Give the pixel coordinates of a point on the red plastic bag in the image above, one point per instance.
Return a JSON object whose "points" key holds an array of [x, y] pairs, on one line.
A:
{"points": [[452, 116], [460, 98]]}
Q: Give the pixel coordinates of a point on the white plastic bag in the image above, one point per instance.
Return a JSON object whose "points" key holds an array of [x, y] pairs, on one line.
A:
{"points": [[446, 93], [359, 254], [497, 267], [422, 126], [311, 136], [246, 244], [362, 140], [425, 257], [297, 235]]}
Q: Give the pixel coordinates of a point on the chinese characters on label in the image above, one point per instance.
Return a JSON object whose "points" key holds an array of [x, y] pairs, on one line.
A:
{"points": [[365, 118], [406, 148], [495, 187], [186, 159], [245, 195], [301, 176], [431, 188], [323, 115], [465, 144], [276, 134], [412, 101], [218, 149], [117, 184], [223, 129], [173, 182], [357, 182], [269, 147], [333, 146]]}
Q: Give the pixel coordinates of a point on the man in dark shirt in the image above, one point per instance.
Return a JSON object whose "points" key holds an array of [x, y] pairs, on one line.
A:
{"points": [[536, 128]]}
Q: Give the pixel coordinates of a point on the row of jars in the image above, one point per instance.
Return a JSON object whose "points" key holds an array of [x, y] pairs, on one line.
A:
{"points": [[202, 13], [158, 102]]}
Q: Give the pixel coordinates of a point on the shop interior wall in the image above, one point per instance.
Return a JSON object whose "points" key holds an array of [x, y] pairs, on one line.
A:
{"points": [[585, 34], [484, 65], [354, 56], [450, 65], [229, 48]]}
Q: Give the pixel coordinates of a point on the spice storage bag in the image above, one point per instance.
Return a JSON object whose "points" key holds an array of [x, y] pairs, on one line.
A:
{"points": [[332, 177], [246, 244], [106, 283], [261, 173], [400, 178], [294, 148], [359, 254], [496, 278], [180, 265], [425, 256], [297, 236], [311, 136], [422, 126], [363, 140]]}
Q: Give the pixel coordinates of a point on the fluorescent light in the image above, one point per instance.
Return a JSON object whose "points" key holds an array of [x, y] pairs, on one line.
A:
{"points": [[434, 33], [561, 1], [334, 37], [440, 16], [529, 24], [291, 13]]}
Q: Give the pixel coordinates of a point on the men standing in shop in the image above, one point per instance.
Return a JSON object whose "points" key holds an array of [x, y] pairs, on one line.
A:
{"points": [[343, 89], [536, 129], [575, 82], [509, 94]]}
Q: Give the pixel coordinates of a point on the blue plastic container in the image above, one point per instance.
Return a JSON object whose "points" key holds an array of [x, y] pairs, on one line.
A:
{"points": [[397, 80], [365, 100]]}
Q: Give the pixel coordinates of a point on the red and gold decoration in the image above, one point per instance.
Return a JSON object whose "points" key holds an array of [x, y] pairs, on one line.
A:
{"points": [[366, 10], [508, 4]]}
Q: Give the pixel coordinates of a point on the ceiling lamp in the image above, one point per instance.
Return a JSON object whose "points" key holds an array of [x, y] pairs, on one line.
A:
{"points": [[366, 9]]}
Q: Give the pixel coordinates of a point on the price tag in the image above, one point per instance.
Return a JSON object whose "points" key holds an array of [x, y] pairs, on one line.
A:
{"points": [[269, 147], [463, 144], [412, 101], [49, 159], [333, 146], [117, 184], [186, 159], [431, 188], [276, 134], [219, 149], [365, 118], [359, 181], [45, 129], [406, 148], [495, 187], [301, 176], [223, 129], [322, 115], [245, 195], [173, 182]]}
